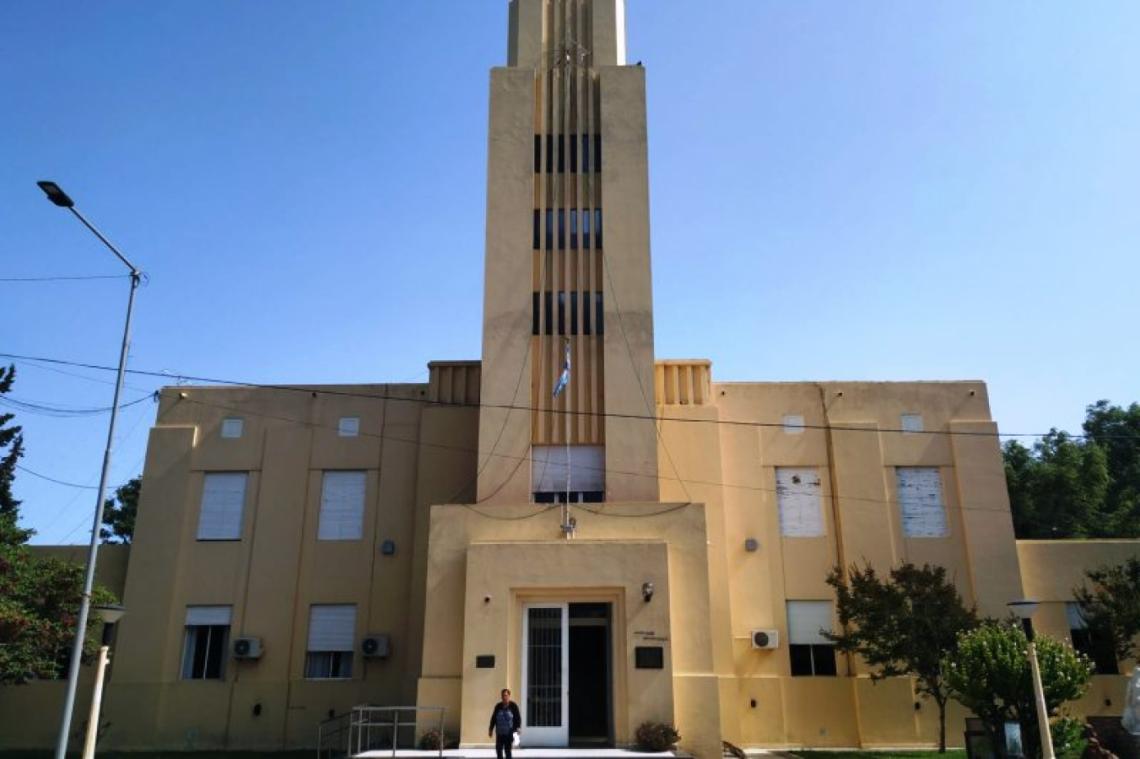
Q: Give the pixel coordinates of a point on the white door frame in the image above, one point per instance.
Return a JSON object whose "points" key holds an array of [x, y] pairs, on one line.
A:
{"points": [[547, 736]]}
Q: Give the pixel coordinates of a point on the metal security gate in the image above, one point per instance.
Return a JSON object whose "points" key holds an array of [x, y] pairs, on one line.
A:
{"points": [[545, 675]]}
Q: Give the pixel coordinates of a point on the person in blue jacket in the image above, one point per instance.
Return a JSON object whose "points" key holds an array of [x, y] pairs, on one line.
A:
{"points": [[505, 722]]}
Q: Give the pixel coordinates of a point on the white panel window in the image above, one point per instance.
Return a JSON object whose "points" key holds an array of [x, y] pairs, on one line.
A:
{"points": [[342, 506], [232, 427], [793, 424], [208, 615], [223, 501], [807, 620], [587, 468], [332, 638], [348, 426], [799, 495], [911, 422], [920, 501]]}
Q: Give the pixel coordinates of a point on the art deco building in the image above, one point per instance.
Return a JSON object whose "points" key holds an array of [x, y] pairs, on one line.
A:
{"points": [[300, 551]]}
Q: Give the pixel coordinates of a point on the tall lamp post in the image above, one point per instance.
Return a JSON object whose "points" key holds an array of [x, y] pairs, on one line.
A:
{"points": [[110, 614], [57, 196], [1025, 610]]}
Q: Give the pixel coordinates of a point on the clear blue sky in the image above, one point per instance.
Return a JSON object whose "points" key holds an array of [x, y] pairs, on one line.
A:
{"points": [[879, 190]]}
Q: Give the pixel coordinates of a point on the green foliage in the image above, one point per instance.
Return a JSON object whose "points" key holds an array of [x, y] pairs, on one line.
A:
{"points": [[12, 445], [657, 736], [990, 675], [902, 625], [1111, 607], [119, 513], [1069, 488], [1069, 741]]}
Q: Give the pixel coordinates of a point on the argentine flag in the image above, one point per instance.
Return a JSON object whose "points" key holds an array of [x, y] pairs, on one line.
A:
{"points": [[564, 378]]}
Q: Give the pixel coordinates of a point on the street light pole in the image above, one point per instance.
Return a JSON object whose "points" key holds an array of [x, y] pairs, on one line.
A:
{"points": [[1024, 610], [57, 196]]}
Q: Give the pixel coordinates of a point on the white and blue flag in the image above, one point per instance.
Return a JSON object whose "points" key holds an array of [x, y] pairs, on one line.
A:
{"points": [[564, 378]]}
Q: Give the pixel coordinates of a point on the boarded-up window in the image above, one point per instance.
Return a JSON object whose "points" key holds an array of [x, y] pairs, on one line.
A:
{"points": [[342, 506], [799, 496], [793, 424], [348, 426], [920, 502], [911, 422], [587, 468], [223, 499], [232, 427]]}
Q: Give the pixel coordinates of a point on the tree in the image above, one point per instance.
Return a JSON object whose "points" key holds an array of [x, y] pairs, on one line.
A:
{"points": [[1111, 607], [903, 625], [119, 513], [1116, 430], [989, 674], [12, 443]]}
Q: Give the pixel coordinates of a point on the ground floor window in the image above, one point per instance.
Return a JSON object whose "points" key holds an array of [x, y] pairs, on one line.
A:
{"points": [[812, 659], [205, 643], [810, 652], [328, 664], [332, 638]]}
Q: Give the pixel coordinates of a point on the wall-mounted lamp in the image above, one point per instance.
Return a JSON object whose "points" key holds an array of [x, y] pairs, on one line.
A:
{"points": [[751, 544], [647, 591], [388, 547]]}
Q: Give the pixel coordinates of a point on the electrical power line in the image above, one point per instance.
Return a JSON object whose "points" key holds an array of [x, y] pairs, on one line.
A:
{"points": [[534, 409], [43, 409], [73, 278]]}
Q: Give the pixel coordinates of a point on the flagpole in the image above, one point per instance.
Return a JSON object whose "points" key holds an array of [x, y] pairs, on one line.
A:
{"points": [[567, 529]]}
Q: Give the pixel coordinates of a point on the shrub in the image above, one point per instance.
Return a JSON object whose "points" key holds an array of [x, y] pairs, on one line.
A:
{"points": [[1069, 741], [431, 740], [657, 736]]}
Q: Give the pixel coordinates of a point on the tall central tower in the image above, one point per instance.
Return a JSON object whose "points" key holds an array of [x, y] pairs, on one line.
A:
{"points": [[567, 264]]}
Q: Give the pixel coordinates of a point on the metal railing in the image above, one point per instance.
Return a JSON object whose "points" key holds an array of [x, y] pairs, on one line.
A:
{"points": [[378, 728], [333, 736]]}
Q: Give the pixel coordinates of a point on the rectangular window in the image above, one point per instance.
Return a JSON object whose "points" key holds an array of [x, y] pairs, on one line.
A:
{"points": [[537, 235], [562, 313], [574, 229], [537, 153], [599, 324], [342, 506], [586, 228], [549, 313], [573, 153], [223, 501], [920, 502], [586, 299], [348, 426], [573, 313], [205, 642], [587, 473], [232, 427], [911, 422], [598, 228], [562, 229], [809, 651], [793, 424], [549, 153], [332, 639], [549, 228], [1092, 643], [534, 314], [597, 154], [799, 496], [561, 153]]}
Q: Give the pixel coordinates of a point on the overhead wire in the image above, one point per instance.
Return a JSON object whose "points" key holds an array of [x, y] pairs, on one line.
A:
{"points": [[70, 278], [326, 390]]}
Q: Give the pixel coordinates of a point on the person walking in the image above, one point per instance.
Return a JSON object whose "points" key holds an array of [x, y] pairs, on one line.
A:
{"points": [[505, 722]]}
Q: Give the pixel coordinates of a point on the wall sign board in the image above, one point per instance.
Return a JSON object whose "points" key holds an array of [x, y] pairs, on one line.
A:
{"points": [[649, 657]]}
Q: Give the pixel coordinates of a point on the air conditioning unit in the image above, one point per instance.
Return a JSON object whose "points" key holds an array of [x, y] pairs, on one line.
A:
{"points": [[765, 639], [247, 648], [376, 646]]}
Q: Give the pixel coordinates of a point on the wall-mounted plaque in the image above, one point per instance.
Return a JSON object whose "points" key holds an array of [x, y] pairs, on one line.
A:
{"points": [[649, 657]]}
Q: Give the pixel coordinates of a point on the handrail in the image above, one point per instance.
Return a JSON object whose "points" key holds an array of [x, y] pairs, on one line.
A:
{"points": [[362, 721], [325, 728]]}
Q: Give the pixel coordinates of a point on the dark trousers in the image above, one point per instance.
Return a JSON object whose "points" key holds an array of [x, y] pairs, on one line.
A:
{"points": [[503, 745]]}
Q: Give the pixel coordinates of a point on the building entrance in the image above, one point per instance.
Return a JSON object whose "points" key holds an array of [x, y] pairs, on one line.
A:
{"points": [[567, 664]]}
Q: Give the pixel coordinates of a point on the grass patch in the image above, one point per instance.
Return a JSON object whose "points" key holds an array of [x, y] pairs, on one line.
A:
{"points": [[306, 754]]}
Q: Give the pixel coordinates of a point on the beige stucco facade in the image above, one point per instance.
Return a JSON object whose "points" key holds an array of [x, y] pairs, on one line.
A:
{"points": [[677, 534]]}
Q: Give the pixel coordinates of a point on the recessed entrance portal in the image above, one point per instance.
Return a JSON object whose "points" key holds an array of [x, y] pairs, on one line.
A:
{"points": [[567, 666]]}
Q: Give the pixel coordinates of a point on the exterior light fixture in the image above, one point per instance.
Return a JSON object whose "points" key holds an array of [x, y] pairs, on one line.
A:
{"points": [[647, 591], [56, 194], [1024, 610]]}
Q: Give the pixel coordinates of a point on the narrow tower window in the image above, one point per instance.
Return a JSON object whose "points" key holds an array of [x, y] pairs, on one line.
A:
{"points": [[597, 154], [573, 153], [534, 316], [549, 153], [599, 325], [561, 153], [573, 313], [549, 312], [586, 313], [562, 313], [537, 153], [574, 228], [585, 154], [549, 228], [586, 228], [598, 228], [562, 229], [536, 225]]}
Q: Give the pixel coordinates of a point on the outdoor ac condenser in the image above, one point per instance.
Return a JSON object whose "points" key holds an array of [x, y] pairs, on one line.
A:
{"points": [[376, 646], [765, 639], [247, 648]]}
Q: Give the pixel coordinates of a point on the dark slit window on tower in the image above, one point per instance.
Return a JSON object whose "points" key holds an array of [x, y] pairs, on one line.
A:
{"points": [[534, 315], [598, 228], [549, 153], [549, 228], [561, 153], [549, 312], [597, 154], [573, 313], [585, 153], [599, 324], [537, 153], [574, 228], [573, 153], [561, 228], [536, 235], [585, 227], [586, 313], [562, 313]]}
